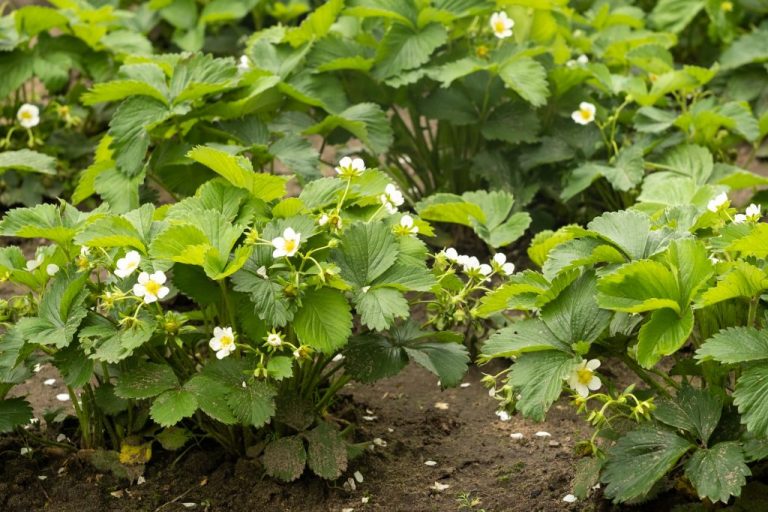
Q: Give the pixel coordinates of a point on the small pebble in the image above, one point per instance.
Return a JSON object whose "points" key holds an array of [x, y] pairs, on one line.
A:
{"points": [[379, 442], [189, 504], [41, 477], [569, 498], [554, 443], [348, 510], [62, 397], [141, 480], [516, 436], [49, 382], [543, 434], [61, 438], [442, 406], [365, 499], [439, 487], [25, 450], [390, 430], [430, 463], [464, 385], [358, 476], [370, 418]]}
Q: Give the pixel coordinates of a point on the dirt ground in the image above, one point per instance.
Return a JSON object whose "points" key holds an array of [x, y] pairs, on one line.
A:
{"points": [[471, 446]]}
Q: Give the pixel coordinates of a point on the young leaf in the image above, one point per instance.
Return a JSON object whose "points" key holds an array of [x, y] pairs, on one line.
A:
{"points": [[172, 406], [742, 280], [719, 472], [129, 131], [638, 460], [754, 244], [574, 315], [663, 334], [324, 320], [628, 230], [643, 285], [527, 78], [285, 458]]}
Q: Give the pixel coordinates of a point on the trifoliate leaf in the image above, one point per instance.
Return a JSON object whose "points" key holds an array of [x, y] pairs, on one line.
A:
{"points": [[365, 252], [379, 307], [574, 315], [694, 410], [754, 244], [638, 460]]}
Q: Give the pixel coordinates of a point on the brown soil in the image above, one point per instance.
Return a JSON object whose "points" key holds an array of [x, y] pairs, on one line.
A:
{"points": [[472, 448]]}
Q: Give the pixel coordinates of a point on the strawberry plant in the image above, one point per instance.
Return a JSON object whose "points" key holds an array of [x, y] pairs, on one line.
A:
{"points": [[676, 295], [238, 312]]}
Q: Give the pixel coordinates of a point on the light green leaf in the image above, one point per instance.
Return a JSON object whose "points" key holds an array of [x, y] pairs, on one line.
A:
{"points": [[754, 244], [719, 472], [324, 320], [117, 90], [404, 48], [663, 334], [129, 129], [379, 307], [642, 285], [28, 161], [741, 280], [111, 231], [316, 25], [628, 230], [366, 121], [172, 406], [527, 78], [751, 47]]}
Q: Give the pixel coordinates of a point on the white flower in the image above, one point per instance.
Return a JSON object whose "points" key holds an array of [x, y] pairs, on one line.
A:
{"points": [[739, 218], [337, 358], [451, 254], [51, 269], [583, 59], [407, 226], [500, 259], [323, 220], [585, 114], [379, 442], [125, 266], [274, 339], [501, 25], [717, 203], [28, 115], [753, 212], [469, 263], [714, 259], [503, 415], [85, 251], [244, 64], [569, 498], [365, 499], [350, 167], [150, 286], [583, 378], [286, 245], [33, 264], [485, 269], [391, 198], [223, 342]]}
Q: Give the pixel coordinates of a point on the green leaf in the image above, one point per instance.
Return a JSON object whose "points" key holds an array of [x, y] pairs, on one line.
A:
{"points": [[327, 454], [735, 345], [324, 320], [689, 160], [538, 378], [749, 397], [371, 357], [404, 47], [449, 208], [111, 344], [146, 381], [211, 394], [120, 89], [719, 472], [16, 67], [379, 307], [74, 365], [111, 231], [297, 154], [14, 412], [580, 252], [129, 129], [365, 252], [638, 460], [316, 25], [530, 335], [173, 438], [642, 285], [107, 401], [239, 172], [43, 221], [751, 47], [285, 458], [628, 230], [28, 161], [172, 406], [675, 15], [694, 410], [269, 299], [662, 335], [253, 404], [741, 280], [280, 367], [447, 360], [754, 244], [574, 315], [366, 121], [527, 78]]}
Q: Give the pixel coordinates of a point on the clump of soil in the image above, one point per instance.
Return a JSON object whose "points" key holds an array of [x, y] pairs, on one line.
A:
{"points": [[472, 449]]}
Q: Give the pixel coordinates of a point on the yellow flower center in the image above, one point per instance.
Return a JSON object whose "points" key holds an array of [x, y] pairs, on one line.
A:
{"points": [[499, 26], [26, 115], [152, 288], [226, 341], [585, 114], [584, 375], [726, 6], [482, 51], [289, 246]]}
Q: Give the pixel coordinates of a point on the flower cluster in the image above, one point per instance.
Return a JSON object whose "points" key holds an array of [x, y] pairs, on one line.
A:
{"points": [[472, 267]]}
